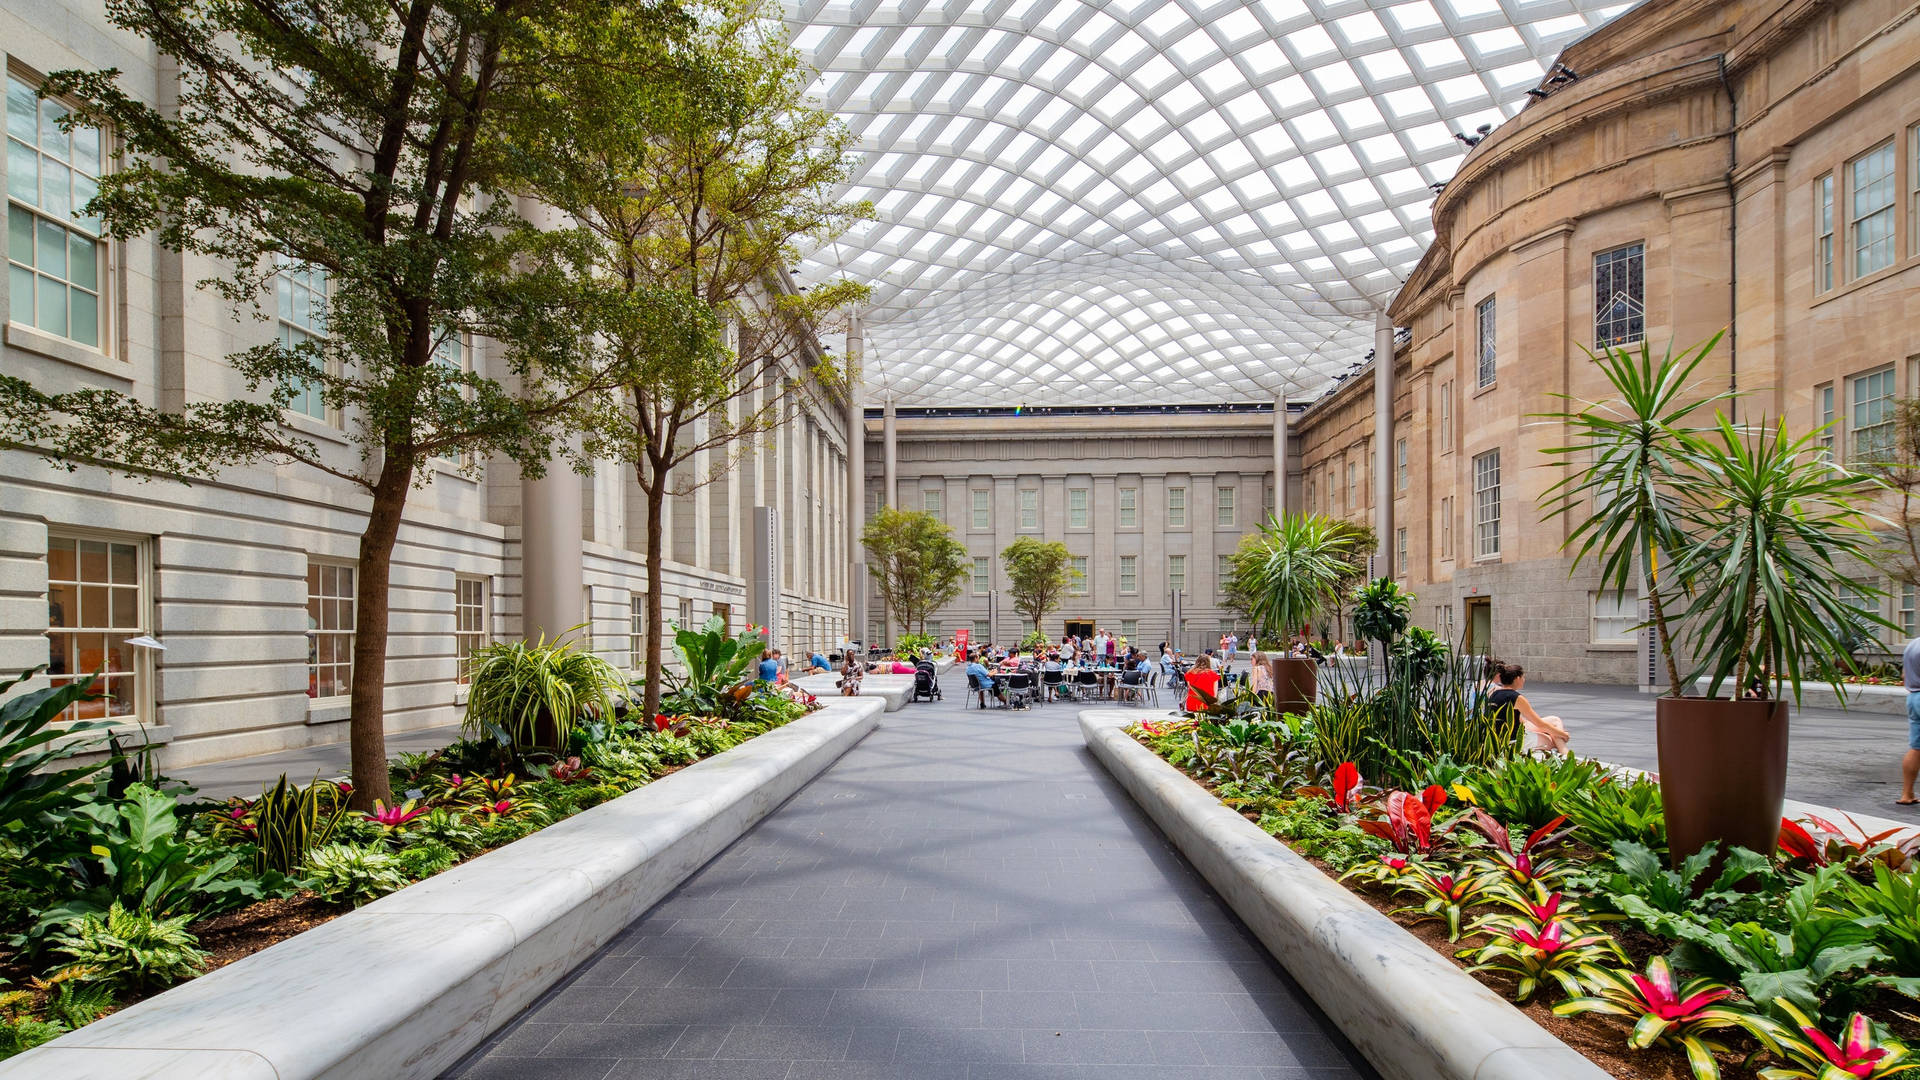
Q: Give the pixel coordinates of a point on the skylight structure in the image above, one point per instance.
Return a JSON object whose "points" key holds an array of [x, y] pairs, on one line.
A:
{"points": [[1158, 201]]}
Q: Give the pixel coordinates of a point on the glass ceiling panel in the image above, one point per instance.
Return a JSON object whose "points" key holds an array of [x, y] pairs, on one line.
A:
{"points": [[1060, 244]]}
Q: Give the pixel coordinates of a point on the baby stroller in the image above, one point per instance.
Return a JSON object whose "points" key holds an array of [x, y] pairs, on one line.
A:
{"points": [[926, 684]]}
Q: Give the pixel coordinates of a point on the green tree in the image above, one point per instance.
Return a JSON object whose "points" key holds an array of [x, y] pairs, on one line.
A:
{"points": [[384, 146], [1381, 611], [1038, 575], [706, 203], [916, 563], [1283, 574]]}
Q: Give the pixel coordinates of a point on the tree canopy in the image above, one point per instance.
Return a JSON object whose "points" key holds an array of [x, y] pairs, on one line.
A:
{"points": [[1039, 572], [916, 563]]}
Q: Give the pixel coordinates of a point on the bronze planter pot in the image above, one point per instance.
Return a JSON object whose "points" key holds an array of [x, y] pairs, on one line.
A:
{"points": [[1295, 682], [1723, 772]]}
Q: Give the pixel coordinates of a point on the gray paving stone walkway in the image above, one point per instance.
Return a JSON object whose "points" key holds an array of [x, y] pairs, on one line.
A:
{"points": [[963, 896]]}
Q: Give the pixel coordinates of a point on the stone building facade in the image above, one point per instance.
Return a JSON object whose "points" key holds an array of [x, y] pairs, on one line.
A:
{"points": [[248, 580], [1146, 502], [1747, 166]]}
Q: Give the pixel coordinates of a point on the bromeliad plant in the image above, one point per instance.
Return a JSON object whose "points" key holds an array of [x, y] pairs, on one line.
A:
{"points": [[1685, 1016], [1533, 952], [1524, 866], [1860, 1053], [1444, 894]]}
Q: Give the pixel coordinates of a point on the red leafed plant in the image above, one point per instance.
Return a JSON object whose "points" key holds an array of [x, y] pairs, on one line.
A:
{"points": [[570, 771], [1534, 951], [1345, 779], [1833, 845], [1408, 826], [1860, 1052]]}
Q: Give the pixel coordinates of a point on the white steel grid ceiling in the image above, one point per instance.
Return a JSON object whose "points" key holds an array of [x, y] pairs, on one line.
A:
{"points": [[1168, 201]]}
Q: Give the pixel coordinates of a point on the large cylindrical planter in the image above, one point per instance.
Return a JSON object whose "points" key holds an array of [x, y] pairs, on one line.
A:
{"points": [[1294, 683], [1723, 772]]}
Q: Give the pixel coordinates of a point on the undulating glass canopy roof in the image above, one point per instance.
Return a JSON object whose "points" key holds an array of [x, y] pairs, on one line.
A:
{"points": [[1164, 200]]}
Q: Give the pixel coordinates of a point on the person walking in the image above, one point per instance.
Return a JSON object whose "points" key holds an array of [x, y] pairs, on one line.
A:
{"points": [[1910, 762]]}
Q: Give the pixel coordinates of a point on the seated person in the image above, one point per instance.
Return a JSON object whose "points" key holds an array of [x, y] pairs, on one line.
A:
{"points": [[1549, 733], [1202, 677], [769, 667], [980, 680], [850, 673], [819, 663]]}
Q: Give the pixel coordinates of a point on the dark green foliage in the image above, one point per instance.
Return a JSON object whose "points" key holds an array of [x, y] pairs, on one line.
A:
{"points": [[1617, 808], [530, 695], [1527, 791], [31, 742], [350, 874], [424, 859], [712, 664], [1893, 899], [1309, 827], [130, 951]]}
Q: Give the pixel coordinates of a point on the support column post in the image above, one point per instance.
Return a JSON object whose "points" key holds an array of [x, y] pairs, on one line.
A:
{"points": [[552, 573], [1383, 441], [856, 483], [1282, 452], [891, 451]]}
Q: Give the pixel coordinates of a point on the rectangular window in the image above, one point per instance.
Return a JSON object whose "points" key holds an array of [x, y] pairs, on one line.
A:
{"points": [[300, 295], [686, 614], [1870, 207], [933, 629], [931, 501], [1129, 507], [1177, 507], [330, 598], [1446, 417], [1130, 629], [1823, 407], [1310, 495], [1485, 351], [1266, 499], [1222, 573], [1870, 418], [1908, 620], [1486, 505], [55, 254], [1400, 552], [1223, 507], [982, 508], [636, 629], [1077, 582], [1129, 574], [469, 621], [1353, 489], [1446, 527], [982, 577], [1176, 571], [1619, 296], [1400, 465], [1823, 234], [982, 633], [1029, 509], [1614, 617], [96, 600], [1076, 508]]}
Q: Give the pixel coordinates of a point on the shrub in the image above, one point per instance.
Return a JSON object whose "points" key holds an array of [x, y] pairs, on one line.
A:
{"points": [[347, 874], [1615, 808], [449, 827], [131, 951], [424, 859], [531, 695], [1526, 791]]}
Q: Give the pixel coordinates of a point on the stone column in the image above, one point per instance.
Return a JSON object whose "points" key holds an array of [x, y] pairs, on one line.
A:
{"points": [[1383, 440], [856, 509], [890, 450], [1281, 452], [552, 574]]}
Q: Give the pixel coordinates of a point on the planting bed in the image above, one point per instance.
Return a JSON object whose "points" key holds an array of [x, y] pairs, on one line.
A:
{"points": [[1819, 905]]}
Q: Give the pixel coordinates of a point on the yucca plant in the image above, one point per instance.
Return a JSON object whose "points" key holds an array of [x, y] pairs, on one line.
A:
{"points": [[1774, 526], [1292, 567], [290, 821], [530, 695]]}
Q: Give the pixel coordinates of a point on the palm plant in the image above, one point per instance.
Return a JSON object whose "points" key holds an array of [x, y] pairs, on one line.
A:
{"points": [[1630, 457], [1773, 520], [532, 694], [1294, 565]]}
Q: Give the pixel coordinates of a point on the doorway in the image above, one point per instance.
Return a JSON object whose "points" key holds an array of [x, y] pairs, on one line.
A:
{"points": [[1079, 629], [1479, 626]]}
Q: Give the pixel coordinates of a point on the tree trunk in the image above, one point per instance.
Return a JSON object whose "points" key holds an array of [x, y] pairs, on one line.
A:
{"points": [[366, 726], [654, 487], [1666, 641]]}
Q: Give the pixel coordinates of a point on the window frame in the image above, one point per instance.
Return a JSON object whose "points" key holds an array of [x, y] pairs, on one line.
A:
{"points": [[1079, 576], [1824, 404], [1400, 551], [1177, 507], [1225, 513], [1176, 572], [1446, 417], [1446, 526], [316, 579], [142, 670], [1079, 516], [1629, 614], [933, 501], [71, 224], [981, 579], [1486, 342], [1823, 220], [466, 641], [1029, 509], [294, 333], [982, 509], [1855, 217], [1222, 573], [1620, 260], [636, 628], [1400, 465], [1127, 515], [1129, 575], [1857, 442], [1486, 527]]}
